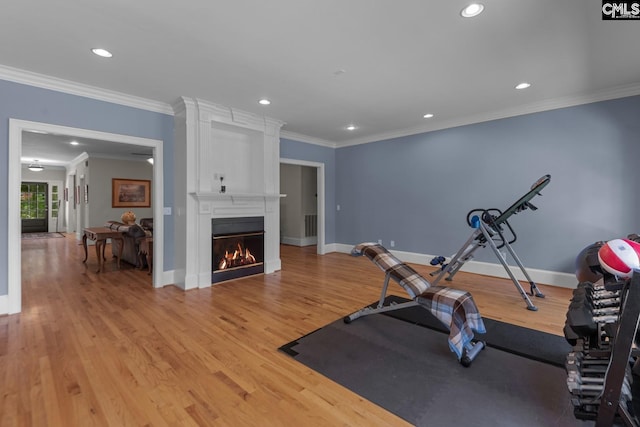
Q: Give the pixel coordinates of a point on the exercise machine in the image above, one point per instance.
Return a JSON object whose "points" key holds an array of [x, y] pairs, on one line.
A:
{"points": [[492, 228], [602, 326], [455, 309]]}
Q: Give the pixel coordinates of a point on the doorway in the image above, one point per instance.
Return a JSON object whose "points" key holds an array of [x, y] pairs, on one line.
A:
{"points": [[317, 220], [34, 209], [14, 259], [41, 209]]}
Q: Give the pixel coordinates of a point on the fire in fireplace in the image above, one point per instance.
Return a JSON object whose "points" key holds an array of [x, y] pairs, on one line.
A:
{"points": [[236, 256], [237, 247]]}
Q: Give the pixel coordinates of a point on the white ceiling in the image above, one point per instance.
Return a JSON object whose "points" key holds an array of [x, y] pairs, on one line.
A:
{"points": [[324, 64]]}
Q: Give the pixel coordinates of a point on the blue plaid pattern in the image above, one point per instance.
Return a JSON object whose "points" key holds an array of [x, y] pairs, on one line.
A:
{"points": [[454, 308]]}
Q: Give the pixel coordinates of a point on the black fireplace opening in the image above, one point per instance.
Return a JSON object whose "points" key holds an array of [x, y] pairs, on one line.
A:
{"points": [[237, 247]]}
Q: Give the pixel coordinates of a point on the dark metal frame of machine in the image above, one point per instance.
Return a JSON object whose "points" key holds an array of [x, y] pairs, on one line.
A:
{"points": [[599, 370], [489, 230]]}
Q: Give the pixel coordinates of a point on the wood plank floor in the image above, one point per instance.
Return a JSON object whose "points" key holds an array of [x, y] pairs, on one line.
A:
{"points": [[109, 350]]}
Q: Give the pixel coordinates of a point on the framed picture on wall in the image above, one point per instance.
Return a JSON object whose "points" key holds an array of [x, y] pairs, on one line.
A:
{"points": [[130, 193]]}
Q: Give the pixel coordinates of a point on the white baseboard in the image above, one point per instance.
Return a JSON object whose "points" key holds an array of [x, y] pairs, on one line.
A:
{"points": [[272, 265], [543, 277], [4, 304], [299, 241], [168, 278], [333, 247]]}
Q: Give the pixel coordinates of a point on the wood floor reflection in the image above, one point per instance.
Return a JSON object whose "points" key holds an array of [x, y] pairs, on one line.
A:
{"points": [[109, 350]]}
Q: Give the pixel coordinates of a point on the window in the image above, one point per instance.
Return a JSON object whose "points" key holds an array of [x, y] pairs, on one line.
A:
{"points": [[33, 201]]}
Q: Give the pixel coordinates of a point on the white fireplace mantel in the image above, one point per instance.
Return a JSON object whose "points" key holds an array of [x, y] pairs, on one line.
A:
{"points": [[243, 149], [235, 196], [229, 205]]}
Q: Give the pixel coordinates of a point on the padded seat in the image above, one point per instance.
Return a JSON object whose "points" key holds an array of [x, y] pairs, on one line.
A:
{"points": [[454, 308]]}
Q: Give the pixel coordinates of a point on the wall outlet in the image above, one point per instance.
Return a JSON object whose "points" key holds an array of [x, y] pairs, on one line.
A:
{"points": [[379, 241], [393, 244], [338, 207]]}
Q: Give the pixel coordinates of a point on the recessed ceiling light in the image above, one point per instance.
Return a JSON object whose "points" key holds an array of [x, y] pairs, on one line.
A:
{"points": [[428, 116], [523, 85], [264, 101], [74, 143], [102, 52], [474, 9], [352, 127]]}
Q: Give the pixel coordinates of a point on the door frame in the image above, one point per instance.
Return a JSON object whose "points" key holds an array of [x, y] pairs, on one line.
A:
{"points": [[14, 256], [53, 224], [321, 249]]}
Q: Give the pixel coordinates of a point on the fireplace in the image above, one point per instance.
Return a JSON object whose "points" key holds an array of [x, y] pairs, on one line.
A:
{"points": [[237, 247]]}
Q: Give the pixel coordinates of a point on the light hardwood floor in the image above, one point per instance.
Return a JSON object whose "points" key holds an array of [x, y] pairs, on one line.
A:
{"points": [[109, 350]]}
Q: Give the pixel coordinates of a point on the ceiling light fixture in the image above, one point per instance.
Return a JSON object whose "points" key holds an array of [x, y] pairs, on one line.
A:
{"points": [[36, 167], [351, 127], [523, 85], [474, 9], [74, 143], [428, 116], [264, 101], [102, 52]]}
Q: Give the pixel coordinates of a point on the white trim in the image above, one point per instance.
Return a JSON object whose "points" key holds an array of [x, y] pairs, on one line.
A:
{"points": [[73, 88], [320, 177], [299, 241], [16, 127], [538, 107], [66, 86], [332, 247], [543, 277], [308, 139]]}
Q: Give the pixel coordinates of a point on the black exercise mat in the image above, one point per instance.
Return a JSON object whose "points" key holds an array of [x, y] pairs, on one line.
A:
{"points": [[410, 371], [524, 342]]}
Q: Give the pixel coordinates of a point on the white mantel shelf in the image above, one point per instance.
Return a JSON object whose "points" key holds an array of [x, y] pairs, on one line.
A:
{"points": [[202, 197]]}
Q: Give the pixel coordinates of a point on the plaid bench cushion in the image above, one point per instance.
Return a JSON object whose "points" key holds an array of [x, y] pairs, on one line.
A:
{"points": [[407, 277], [454, 308], [457, 311]]}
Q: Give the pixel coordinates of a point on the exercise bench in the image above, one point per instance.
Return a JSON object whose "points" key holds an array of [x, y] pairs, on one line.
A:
{"points": [[453, 308]]}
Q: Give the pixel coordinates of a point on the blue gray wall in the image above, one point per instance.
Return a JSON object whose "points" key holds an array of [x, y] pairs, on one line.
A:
{"points": [[315, 153], [25, 102], [417, 190]]}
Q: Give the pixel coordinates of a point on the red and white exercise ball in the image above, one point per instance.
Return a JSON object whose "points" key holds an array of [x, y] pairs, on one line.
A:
{"points": [[620, 257]]}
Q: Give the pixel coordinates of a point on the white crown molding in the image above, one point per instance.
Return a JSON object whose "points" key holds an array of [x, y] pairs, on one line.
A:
{"points": [[73, 88], [79, 159], [546, 105], [308, 139]]}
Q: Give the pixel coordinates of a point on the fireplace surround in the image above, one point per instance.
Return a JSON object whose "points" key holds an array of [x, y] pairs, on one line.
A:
{"points": [[230, 147]]}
